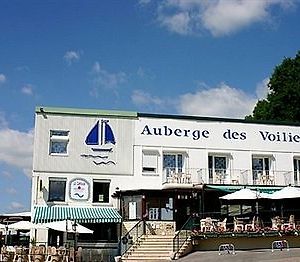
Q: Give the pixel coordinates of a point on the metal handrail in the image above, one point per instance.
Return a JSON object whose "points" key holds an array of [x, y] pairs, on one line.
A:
{"points": [[183, 234], [132, 236]]}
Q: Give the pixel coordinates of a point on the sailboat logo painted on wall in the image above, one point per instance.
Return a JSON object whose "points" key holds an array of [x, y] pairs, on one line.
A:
{"points": [[101, 140]]}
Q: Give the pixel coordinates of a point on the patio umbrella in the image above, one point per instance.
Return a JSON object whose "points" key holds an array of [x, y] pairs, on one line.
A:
{"points": [[286, 192], [24, 225], [245, 194], [67, 226], [2, 226]]}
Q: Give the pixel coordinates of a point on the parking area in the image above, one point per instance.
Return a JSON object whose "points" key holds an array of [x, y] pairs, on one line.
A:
{"points": [[292, 255]]}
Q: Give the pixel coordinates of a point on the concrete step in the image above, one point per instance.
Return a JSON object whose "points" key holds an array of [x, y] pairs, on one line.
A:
{"points": [[151, 248]]}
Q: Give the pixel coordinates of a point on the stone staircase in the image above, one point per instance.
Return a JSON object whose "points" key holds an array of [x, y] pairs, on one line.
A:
{"points": [[150, 248]]}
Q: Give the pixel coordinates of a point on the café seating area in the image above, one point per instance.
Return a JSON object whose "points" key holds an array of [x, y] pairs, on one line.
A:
{"points": [[246, 224], [40, 254]]}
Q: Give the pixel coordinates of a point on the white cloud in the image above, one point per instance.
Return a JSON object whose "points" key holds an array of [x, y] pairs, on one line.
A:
{"points": [[11, 191], [27, 89], [16, 205], [6, 174], [144, 2], [16, 149], [2, 78], [104, 79], [72, 56], [262, 89], [219, 17], [221, 101], [141, 98], [3, 122]]}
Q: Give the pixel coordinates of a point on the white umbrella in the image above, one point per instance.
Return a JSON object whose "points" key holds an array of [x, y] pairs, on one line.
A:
{"points": [[67, 226], [244, 194], [2, 226], [286, 192], [24, 225]]}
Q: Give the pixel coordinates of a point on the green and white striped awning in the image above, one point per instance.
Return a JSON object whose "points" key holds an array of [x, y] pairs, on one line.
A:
{"points": [[45, 214]]}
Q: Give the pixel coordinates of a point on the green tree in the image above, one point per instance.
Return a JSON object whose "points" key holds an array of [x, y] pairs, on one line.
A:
{"points": [[283, 101]]}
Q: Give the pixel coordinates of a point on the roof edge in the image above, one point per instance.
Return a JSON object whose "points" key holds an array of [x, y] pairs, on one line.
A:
{"points": [[84, 112], [219, 119]]}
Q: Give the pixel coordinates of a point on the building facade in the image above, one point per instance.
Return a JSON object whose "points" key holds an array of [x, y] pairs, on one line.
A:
{"points": [[93, 165]]}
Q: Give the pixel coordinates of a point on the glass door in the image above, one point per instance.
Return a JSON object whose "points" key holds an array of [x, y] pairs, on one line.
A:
{"points": [[217, 166]]}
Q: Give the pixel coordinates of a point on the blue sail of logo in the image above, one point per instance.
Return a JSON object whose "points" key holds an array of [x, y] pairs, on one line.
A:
{"points": [[107, 136]]}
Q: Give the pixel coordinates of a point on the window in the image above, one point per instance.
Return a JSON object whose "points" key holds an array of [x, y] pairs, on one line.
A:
{"points": [[59, 142], [172, 163], [150, 159], [296, 171], [260, 169], [217, 166], [101, 191], [57, 190]]}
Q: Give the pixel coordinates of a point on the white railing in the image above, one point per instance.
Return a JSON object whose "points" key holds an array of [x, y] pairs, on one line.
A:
{"points": [[228, 176]]}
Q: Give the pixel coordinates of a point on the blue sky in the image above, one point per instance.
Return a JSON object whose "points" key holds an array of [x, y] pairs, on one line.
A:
{"points": [[195, 57]]}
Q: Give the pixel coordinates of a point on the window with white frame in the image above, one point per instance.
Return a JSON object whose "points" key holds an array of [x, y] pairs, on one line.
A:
{"points": [[150, 161], [57, 189], [217, 167], [296, 171], [260, 169], [173, 162], [59, 141]]}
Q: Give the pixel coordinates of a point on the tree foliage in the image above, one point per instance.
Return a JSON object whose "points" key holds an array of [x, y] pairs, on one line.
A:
{"points": [[283, 101]]}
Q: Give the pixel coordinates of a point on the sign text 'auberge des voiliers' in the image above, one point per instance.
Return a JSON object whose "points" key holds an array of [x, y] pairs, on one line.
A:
{"points": [[229, 134]]}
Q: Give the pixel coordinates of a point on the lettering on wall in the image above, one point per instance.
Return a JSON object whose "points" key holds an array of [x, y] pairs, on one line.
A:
{"points": [[228, 134]]}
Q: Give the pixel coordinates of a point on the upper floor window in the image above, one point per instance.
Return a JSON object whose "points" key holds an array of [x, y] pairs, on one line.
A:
{"points": [[217, 167], [261, 170], [296, 171], [173, 162], [150, 161], [59, 141], [57, 189], [101, 191]]}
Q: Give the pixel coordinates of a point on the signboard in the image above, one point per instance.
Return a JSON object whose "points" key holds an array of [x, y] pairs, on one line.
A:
{"points": [[79, 189]]}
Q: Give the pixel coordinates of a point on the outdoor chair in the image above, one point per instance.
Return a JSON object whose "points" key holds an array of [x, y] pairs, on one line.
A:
{"points": [[276, 223], [251, 225], [222, 225], [290, 224], [238, 225], [206, 225]]}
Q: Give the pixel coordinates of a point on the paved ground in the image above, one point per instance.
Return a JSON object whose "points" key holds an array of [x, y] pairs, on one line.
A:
{"points": [[293, 255]]}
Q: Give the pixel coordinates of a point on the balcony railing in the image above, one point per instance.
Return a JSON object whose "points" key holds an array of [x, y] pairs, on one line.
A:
{"points": [[228, 176]]}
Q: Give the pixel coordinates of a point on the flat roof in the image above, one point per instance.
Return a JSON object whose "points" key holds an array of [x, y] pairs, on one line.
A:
{"points": [[133, 114], [82, 111]]}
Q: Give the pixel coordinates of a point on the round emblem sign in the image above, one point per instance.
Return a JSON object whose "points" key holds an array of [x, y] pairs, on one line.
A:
{"points": [[79, 189]]}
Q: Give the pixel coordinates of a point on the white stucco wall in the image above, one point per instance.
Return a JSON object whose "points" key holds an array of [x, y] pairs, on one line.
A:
{"points": [[195, 139]]}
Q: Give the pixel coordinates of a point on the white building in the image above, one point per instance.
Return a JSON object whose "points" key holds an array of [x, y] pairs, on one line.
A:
{"points": [[83, 157]]}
